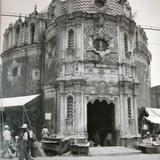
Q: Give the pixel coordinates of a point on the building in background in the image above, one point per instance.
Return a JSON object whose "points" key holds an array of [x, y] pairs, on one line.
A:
{"points": [[89, 62], [155, 97]]}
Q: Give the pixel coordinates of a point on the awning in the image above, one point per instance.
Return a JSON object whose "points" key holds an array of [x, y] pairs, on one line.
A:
{"points": [[154, 115], [16, 101]]}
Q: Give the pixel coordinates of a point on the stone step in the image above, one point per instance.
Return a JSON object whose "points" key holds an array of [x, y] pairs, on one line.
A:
{"points": [[112, 151]]}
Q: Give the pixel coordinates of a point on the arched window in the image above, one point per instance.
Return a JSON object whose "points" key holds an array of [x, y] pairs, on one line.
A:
{"points": [[17, 35], [71, 38], [32, 33], [129, 107], [136, 39], [125, 42], [100, 44], [69, 107]]}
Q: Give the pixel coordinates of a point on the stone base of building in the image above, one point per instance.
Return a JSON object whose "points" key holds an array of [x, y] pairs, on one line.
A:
{"points": [[129, 142]]}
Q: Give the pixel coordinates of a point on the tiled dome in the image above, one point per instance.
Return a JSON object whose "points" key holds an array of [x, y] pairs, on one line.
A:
{"points": [[111, 7]]}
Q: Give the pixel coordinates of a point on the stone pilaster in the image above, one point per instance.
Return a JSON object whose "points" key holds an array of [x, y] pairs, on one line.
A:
{"points": [[21, 34], [36, 33]]}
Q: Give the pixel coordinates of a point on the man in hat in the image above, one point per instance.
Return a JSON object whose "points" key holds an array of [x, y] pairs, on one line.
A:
{"points": [[45, 132], [25, 144], [32, 139], [7, 140]]}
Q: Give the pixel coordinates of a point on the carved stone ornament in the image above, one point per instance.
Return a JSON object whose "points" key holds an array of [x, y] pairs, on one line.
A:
{"points": [[92, 56], [51, 9], [128, 54], [69, 121], [101, 46], [101, 71], [102, 87], [51, 53], [107, 98], [129, 71], [146, 75], [101, 42], [70, 51], [111, 58], [36, 74], [14, 72]]}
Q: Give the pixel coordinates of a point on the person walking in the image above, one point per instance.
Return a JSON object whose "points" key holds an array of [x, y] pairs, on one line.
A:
{"points": [[7, 140]]}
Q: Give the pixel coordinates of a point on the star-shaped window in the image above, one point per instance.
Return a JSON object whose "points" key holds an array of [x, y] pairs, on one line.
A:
{"points": [[100, 3]]}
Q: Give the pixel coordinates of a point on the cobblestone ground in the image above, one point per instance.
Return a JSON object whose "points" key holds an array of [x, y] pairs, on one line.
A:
{"points": [[125, 157]]}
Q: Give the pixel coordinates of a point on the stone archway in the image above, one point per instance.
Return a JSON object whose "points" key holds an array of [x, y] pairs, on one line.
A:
{"points": [[101, 122]]}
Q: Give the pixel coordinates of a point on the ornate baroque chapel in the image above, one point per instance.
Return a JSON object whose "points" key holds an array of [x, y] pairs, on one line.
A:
{"points": [[88, 61]]}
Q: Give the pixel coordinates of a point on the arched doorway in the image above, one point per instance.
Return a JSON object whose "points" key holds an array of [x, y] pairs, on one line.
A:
{"points": [[101, 121]]}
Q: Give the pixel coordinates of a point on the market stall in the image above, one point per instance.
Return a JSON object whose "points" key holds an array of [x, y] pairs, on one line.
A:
{"points": [[151, 139], [9, 103]]}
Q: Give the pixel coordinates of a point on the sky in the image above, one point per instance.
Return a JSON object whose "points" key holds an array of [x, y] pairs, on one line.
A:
{"points": [[147, 12]]}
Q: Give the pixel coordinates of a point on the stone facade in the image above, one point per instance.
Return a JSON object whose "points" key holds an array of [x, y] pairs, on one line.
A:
{"points": [[90, 52], [155, 97], [22, 67]]}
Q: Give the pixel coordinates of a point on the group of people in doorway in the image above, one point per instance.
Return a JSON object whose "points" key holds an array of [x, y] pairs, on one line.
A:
{"points": [[107, 140], [22, 144]]}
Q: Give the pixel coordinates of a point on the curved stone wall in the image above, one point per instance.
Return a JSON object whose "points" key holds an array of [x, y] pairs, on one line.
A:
{"points": [[21, 71]]}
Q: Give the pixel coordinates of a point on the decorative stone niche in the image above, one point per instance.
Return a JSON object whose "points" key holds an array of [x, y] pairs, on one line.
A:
{"points": [[100, 3], [36, 74]]}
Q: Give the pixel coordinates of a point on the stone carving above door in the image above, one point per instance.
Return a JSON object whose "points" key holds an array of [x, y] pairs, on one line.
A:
{"points": [[102, 88], [108, 99]]}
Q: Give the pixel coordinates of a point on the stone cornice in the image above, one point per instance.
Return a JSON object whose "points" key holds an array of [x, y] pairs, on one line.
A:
{"points": [[80, 17], [16, 51], [125, 81]]}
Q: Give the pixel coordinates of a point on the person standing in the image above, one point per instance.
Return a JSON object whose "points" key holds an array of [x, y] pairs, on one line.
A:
{"points": [[109, 139], [24, 144], [45, 132], [7, 140], [32, 139], [97, 139]]}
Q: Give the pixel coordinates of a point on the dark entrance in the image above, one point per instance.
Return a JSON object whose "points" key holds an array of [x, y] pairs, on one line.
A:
{"points": [[101, 123]]}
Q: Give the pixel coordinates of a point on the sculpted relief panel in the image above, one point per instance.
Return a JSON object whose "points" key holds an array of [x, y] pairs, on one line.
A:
{"points": [[100, 43], [102, 88], [50, 61], [129, 71], [14, 72]]}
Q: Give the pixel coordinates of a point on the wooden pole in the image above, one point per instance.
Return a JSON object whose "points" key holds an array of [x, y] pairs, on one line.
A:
{"points": [[1, 136]]}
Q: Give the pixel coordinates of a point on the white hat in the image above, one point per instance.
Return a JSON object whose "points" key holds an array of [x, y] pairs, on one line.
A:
{"points": [[6, 127], [24, 126]]}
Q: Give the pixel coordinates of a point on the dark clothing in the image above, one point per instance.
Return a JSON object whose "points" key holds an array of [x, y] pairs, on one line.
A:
{"points": [[24, 146], [26, 150], [97, 139], [32, 147]]}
